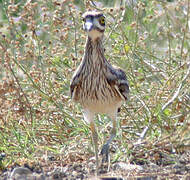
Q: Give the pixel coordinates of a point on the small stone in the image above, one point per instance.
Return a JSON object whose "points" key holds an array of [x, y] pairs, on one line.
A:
{"points": [[20, 171], [128, 167]]}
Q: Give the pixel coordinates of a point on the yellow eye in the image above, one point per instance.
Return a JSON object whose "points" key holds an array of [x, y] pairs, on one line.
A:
{"points": [[102, 20]]}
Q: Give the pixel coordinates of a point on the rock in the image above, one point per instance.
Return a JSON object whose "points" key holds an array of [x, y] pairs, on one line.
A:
{"points": [[22, 173], [127, 167]]}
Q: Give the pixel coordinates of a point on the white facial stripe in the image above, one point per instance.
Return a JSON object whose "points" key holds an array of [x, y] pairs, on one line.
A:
{"points": [[88, 25]]}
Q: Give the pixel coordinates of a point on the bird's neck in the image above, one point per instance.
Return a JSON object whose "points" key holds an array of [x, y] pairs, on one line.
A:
{"points": [[94, 53]]}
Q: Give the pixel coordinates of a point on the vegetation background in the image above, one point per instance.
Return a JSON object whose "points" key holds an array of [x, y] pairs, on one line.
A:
{"points": [[42, 43]]}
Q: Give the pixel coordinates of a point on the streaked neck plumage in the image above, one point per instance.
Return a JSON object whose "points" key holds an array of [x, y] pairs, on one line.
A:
{"points": [[94, 51]]}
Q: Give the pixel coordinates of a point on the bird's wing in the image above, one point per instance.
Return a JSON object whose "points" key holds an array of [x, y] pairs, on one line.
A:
{"points": [[116, 77], [75, 81], [72, 87]]}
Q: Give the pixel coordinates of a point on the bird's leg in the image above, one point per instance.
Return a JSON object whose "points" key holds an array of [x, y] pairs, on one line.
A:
{"points": [[88, 116], [95, 141], [105, 148]]}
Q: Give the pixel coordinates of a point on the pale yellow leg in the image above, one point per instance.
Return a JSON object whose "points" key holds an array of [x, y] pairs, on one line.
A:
{"points": [[95, 141], [88, 116], [105, 148]]}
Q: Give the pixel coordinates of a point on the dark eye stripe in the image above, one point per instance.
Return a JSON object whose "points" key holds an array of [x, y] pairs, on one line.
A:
{"points": [[100, 15], [94, 16], [89, 16]]}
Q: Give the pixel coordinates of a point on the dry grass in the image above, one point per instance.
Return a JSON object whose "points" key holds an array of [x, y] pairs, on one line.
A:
{"points": [[42, 43]]}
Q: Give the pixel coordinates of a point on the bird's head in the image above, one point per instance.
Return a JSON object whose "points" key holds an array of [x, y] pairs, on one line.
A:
{"points": [[94, 24]]}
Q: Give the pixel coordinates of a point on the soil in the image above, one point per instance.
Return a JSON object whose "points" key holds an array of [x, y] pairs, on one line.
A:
{"points": [[52, 170]]}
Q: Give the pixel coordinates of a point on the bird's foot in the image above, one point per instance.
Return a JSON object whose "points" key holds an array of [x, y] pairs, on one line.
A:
{"points": [[105, 153]]}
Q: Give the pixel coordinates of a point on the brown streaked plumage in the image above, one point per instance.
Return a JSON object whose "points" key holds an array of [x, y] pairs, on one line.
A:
{"points": [[96, 84]]}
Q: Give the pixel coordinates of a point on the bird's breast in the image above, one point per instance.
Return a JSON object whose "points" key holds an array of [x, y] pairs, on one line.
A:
{"points": [[95, 92]]}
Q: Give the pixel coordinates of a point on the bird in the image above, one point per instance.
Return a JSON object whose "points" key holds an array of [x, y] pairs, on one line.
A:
{"points": [[96, 85]]}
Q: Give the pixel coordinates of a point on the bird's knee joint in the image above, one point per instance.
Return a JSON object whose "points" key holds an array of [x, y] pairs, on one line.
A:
{"points": [[113, 131]]}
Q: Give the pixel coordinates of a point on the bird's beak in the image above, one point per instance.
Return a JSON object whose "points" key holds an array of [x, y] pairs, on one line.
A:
{"points": [[88, 25]]}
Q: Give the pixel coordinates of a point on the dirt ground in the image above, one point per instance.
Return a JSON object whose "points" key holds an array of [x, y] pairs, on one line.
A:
{"points": [[53, 170]]}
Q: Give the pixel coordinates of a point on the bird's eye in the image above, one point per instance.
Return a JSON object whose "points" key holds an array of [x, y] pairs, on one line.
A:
{"points": [[102, 20]]}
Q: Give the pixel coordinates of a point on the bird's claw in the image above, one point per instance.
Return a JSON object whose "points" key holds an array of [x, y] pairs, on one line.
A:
{"points": [[105, 153]]}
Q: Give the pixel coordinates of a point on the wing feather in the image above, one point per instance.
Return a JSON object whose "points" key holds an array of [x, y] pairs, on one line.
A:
{"points": [[75, 81], [116, 77]]}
